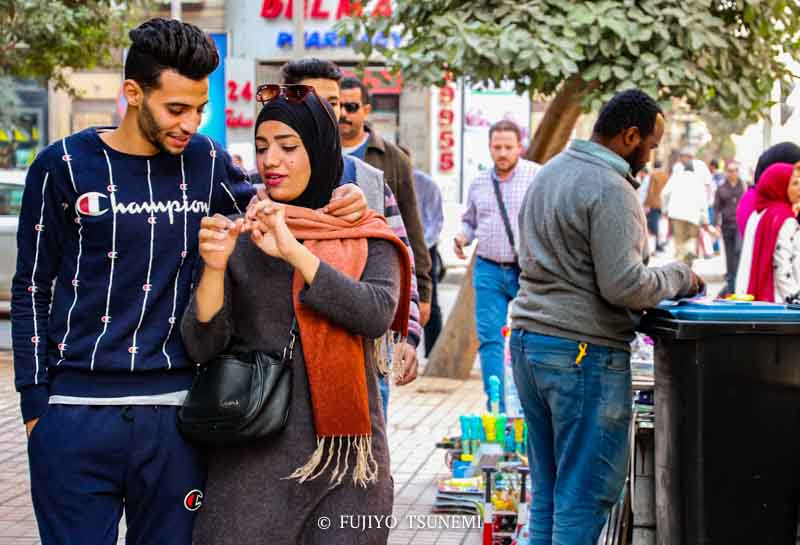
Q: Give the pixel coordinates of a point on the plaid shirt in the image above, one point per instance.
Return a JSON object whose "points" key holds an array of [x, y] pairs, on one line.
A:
{"points": [[395, 220], [483, 220]]}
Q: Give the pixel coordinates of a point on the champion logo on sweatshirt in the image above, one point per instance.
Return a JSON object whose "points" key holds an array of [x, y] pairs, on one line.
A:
{"points": [[96, 204], [91, 204]]}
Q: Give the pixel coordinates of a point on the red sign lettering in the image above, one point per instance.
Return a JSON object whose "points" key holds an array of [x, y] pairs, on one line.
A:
{"points": [[446, 116], [446, 161], [273, 9], [317, 12], [383, 9], [270, 9], [237, 121], [348, 8]]}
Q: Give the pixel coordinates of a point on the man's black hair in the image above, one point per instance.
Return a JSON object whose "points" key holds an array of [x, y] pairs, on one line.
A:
{"points": [[785, 152], [355, 83], [309, 67], [631, 108], [165, 44]]}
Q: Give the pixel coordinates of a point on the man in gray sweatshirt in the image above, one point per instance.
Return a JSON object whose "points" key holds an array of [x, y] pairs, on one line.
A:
{"points": [[584, 282]]}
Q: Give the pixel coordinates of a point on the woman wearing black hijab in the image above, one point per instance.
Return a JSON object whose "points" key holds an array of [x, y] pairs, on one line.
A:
{"points": [[262, 493]]}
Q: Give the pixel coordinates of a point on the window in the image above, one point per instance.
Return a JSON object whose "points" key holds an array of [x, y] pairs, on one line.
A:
{"points": [[10, 199]]}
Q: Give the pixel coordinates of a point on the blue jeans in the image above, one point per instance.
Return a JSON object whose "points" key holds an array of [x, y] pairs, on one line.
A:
{"points": [[578, 417], [495, 286], [383, 388]]}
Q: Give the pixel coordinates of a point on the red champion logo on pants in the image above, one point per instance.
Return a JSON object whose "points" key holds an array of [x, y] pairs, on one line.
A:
{"points": [[193, 500]]}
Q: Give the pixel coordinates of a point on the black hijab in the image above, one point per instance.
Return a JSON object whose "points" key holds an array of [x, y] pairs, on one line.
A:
{"points": [[320, 136]]}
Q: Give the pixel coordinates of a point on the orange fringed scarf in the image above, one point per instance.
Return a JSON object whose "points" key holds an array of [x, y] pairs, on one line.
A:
{"points": [[334, 357]]}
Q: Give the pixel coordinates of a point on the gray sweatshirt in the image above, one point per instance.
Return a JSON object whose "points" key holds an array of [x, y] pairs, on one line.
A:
{"points": [[584, 252]]}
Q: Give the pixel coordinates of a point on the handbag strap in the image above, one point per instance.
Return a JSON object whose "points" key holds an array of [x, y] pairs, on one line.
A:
{"points": [[504, 215], [288, 350]]}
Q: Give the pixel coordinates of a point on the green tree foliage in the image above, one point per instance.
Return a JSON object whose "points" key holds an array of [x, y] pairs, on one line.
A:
{"points": [[716, 54], [39, 39]]}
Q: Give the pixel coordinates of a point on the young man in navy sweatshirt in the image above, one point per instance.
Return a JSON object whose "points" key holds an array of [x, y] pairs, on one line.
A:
{"points": [[107, 246]]}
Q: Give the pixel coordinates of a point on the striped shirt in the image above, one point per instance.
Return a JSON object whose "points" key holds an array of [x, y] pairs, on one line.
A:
{"points": [[107, 248], [482, 219], [395, 221]]}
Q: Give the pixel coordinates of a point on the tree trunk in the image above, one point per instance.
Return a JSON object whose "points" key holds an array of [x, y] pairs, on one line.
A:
{"points": [[454, 352], [559, 120], [455, 349]]}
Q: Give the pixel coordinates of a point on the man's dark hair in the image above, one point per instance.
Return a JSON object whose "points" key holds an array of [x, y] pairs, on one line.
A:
{"points": [[505, 125], [631, 108], [355, 83], [165, 44], [309, 67], [785, 152]]}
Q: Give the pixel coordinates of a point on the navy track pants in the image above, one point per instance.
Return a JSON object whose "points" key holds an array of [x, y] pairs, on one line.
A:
{"points": [[88, 463]]}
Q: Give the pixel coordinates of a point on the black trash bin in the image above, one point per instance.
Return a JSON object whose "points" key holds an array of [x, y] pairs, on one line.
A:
{"points": [[727, 434]]}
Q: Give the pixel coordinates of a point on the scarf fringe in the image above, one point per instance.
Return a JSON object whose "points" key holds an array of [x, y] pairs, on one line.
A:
{"points": [[365, 468]]}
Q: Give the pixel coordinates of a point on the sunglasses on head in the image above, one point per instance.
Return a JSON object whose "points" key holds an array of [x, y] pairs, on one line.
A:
{"points": [[294, 93], [351, 107]]}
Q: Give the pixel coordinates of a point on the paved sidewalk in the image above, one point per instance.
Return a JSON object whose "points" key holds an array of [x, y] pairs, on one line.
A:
{"points": [[419, 415]]}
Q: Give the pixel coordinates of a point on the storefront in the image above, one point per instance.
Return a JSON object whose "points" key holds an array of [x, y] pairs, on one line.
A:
{"points": [[261, 40]]}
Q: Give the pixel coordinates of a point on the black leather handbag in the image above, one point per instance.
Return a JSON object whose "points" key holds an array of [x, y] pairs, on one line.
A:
{"points": [[237, 399]]}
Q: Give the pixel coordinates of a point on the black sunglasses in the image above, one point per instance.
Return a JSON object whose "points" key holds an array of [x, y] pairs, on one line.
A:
{"points": [[351, 107], [294, 93]]}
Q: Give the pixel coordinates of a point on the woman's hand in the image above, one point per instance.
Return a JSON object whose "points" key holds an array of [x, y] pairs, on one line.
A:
{"points": [[269, 231], [266, 221], [217, 239]]}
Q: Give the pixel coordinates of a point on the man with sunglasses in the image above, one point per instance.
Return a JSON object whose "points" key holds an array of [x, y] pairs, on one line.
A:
{"points": [[107, 246], [324, 77], [361, 140]]}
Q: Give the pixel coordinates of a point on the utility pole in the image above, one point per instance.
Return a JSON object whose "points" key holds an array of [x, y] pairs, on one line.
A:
{"points": [[298, 19], [176, 9]]}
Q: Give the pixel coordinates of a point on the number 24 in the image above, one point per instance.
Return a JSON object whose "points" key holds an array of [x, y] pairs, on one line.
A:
{"points": [[246, 94]]}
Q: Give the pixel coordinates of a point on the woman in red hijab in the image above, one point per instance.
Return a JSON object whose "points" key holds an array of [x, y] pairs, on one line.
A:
{"points": [[772, 238]]}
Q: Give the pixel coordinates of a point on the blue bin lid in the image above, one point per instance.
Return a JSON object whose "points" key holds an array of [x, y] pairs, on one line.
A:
{"points": [[718, 310]]}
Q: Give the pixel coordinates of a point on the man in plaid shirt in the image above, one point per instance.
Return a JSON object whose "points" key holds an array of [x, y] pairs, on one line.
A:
{"points": [[496, 275]]}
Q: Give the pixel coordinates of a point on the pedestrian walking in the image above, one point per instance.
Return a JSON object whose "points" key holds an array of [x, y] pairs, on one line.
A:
{"points": [[429, 201], [584, 284], [494, 201], [726, 202], [325, 76], [362, 140], [686, 204], [653, 205], [110, 219], [258, 283]]}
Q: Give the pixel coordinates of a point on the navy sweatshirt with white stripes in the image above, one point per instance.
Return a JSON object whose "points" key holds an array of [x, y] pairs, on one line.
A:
{"points": [[107, 248]]}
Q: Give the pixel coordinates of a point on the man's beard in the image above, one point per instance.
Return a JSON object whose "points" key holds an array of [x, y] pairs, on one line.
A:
{"points": [[150, 128], [506, 170], [635, 161], [348, 129]]}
